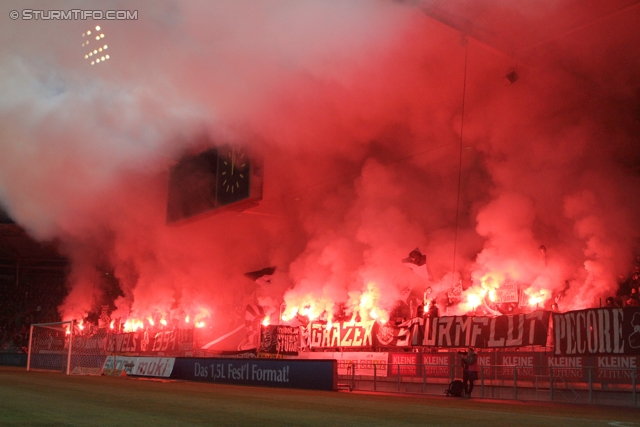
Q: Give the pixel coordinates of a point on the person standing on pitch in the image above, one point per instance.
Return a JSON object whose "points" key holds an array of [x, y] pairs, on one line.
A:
{"points": [[470, 373]]}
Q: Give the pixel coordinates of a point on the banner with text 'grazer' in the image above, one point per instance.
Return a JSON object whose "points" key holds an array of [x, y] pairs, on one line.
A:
{"points": [[444, 332], [597, 331], [342, 334]]}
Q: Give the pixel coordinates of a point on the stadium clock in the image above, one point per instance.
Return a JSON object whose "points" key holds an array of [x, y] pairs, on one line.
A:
{"points": [[234, 175]]}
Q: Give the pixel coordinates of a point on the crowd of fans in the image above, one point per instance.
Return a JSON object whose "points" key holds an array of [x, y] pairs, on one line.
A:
{"points": [[33, 298], [628, 294]]}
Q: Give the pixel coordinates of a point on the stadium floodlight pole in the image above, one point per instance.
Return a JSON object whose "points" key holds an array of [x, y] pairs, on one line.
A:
{"points": [[29, 351], [73, 322]]}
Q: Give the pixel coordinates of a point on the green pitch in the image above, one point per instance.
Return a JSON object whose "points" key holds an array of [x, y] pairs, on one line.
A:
{"points": [[52, 399]]}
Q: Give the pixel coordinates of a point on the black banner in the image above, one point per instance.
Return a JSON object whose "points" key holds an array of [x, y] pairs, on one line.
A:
{"points": [[597, 331], [126, 343], [444, 332], [280, 339], [145, 342], [487, 332], [342, 334]]}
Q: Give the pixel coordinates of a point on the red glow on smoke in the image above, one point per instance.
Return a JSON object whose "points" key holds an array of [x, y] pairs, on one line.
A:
{"points": [[365, 305], [158, 321], [362, 102]]}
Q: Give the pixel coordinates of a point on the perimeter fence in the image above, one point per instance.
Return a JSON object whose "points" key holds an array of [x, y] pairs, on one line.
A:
{"points": [[587, 385]]}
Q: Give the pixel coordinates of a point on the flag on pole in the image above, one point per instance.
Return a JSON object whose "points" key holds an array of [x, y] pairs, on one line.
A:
{"points": [[417, 261], [259, 278]]}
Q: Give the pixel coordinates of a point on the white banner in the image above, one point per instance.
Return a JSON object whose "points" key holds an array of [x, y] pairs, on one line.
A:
{"points": [[507, 292], [143, 366]]}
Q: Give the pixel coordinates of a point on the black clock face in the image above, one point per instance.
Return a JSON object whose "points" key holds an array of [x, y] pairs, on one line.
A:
{"points": [[234, 170]]}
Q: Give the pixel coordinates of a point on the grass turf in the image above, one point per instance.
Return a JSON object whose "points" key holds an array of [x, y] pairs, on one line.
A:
{"points": [[56, 400]]}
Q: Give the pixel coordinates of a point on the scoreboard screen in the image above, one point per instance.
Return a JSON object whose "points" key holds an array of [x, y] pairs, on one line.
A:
{"points": [[215, 180]]}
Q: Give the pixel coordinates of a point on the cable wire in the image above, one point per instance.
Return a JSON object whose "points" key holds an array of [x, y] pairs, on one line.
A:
{"points": [[464, 93]]}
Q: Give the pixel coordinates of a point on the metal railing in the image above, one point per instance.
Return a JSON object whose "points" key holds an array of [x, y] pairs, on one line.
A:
{"points": [[588, 385]]}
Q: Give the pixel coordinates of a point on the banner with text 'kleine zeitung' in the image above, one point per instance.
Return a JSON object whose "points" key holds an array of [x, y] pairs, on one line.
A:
{"points": [[365, 363]]}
